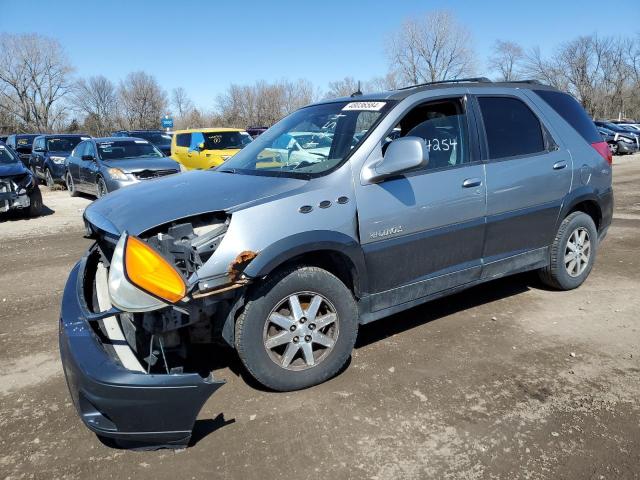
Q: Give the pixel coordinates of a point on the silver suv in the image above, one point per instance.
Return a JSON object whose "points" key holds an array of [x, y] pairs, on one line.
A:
{"points": [[344, 212]]}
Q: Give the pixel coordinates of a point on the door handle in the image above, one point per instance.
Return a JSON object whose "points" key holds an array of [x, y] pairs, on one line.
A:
{"points": [[559, 165], [471, 182]]}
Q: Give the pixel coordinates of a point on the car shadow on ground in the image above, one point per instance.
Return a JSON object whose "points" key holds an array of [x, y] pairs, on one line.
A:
{"points": [[225, 357], [15, 215]]}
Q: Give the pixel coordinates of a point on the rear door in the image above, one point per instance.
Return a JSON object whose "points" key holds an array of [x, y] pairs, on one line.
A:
{"points": [[528, 175], [37, 156], [196, 156]]}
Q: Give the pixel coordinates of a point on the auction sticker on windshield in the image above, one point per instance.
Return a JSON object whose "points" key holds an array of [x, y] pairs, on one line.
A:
{"points": [[367, 106]]}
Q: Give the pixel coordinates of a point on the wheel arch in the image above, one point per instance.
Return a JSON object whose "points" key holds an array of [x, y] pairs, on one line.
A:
{"points": [[584, 199], [336, 252]]}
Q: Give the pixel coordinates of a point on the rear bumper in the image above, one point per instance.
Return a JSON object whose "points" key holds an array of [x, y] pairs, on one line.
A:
{"points": [[606, 208], [137, 409]]}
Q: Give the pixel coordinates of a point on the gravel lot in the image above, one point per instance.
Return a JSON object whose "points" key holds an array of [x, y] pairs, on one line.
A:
{"points": [[506, 380]]}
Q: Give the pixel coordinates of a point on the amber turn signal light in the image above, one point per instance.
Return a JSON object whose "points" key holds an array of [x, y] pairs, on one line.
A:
{"points": [[148, 270]]}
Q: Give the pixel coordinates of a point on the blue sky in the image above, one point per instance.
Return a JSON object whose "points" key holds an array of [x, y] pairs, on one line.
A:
{"points": [[204, 46]]}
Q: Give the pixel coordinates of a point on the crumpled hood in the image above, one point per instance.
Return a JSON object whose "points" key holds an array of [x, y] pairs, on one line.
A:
{"points": [[11, 169], [137, 165], [155, 202]]}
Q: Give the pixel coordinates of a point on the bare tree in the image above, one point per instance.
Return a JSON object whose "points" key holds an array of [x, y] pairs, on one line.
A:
{"points": [[96, 99], [506, 60], [142, 101], [342, 88], [263, 103], [181, 102], [34, 79], [431, 49], [379, 84]]}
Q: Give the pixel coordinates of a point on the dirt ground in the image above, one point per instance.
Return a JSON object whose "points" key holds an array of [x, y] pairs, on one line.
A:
{"points": [[506, 380]]}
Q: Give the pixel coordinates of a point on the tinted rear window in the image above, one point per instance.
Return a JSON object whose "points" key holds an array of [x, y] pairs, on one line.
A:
{"points": [[512, 128], [569, 109]]}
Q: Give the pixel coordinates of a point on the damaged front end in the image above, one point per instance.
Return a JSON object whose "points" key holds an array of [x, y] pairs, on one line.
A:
{"points": [[137, 327], [15, 192]]}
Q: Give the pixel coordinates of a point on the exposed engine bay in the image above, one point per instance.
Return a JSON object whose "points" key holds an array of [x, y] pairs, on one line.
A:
{"points": [[171, 339]]}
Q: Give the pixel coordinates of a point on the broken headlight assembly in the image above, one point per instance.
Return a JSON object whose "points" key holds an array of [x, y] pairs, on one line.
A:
{"points": [[140, 279]]}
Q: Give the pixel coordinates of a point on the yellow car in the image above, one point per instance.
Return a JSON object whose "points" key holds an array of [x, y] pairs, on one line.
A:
{"points": [[201, 148]]}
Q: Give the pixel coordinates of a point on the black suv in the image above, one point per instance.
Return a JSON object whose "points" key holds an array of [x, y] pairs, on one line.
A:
{"points": [[22, 143], [159, 138]]}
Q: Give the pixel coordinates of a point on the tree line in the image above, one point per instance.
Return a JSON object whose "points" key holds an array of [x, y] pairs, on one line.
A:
{"points": [[40, 93]]}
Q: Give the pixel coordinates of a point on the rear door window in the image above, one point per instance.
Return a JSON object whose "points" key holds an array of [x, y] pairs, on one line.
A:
{"points": [[512, 129], [196, 139]]}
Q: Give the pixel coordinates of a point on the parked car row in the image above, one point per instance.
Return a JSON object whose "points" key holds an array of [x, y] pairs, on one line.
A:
{"points": [[622, 138]]}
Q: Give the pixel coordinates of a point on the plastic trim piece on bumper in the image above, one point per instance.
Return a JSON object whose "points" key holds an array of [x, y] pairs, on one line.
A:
{"points": [[138, 410]]}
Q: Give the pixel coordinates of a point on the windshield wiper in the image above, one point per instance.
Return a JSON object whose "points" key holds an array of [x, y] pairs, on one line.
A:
{"points": [[230, 170]]}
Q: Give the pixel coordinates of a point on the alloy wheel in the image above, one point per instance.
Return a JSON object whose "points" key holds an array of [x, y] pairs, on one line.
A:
{"points": [[301, 331], [577, 252]]}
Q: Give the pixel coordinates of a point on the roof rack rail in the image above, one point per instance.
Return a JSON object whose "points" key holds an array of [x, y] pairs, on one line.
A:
{"points": [[453, 80], [530, 80]]}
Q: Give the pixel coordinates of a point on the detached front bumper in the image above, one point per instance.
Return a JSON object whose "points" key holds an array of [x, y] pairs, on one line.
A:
{"points": [[138, 410]]}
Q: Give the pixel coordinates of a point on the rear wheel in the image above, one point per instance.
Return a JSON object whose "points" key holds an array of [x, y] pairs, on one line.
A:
{"points": [[71, 186], [297, 329], [573, 253]]}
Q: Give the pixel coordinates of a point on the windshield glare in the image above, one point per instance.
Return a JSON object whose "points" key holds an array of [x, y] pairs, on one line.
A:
{"points": [[62, 144], [312, 140], [6, 156], [127, 149]]}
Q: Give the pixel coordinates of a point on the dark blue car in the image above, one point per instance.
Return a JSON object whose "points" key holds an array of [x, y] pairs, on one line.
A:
{"points": [[18, 187], [48, 156]]}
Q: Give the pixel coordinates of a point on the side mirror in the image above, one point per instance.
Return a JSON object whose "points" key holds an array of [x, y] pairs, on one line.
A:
{"points": [[88, 158], [402, 155], [39, 150], [201, 146]]}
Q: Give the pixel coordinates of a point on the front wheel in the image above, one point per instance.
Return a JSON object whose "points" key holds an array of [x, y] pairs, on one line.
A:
{"points": [[573, 253], [102, 188], [48, 178], [35, 202], [297, 329], [71, 186]]}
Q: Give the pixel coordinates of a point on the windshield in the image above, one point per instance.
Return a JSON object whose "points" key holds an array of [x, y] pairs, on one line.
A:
{"points": [[63, 144], [225, 140], [6, 156], [154, 137], [127, 149], [310, 141], [24, 142]]}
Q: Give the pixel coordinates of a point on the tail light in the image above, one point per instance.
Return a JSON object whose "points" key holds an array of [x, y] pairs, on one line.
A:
{"points": [[603, 149]]}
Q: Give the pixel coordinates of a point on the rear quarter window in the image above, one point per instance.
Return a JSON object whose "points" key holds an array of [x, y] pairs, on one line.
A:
{"points": [[568, 108]]}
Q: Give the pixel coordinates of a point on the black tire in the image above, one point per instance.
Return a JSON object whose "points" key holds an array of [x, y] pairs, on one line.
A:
{"points": [[71, 186], [252, 325], [48, 178], [101, 187], [556, 274], [35, 202]]}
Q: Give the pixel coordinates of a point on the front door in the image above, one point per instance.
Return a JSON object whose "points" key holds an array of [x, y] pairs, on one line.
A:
{"points": [[422, 232], [89, 169]]}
